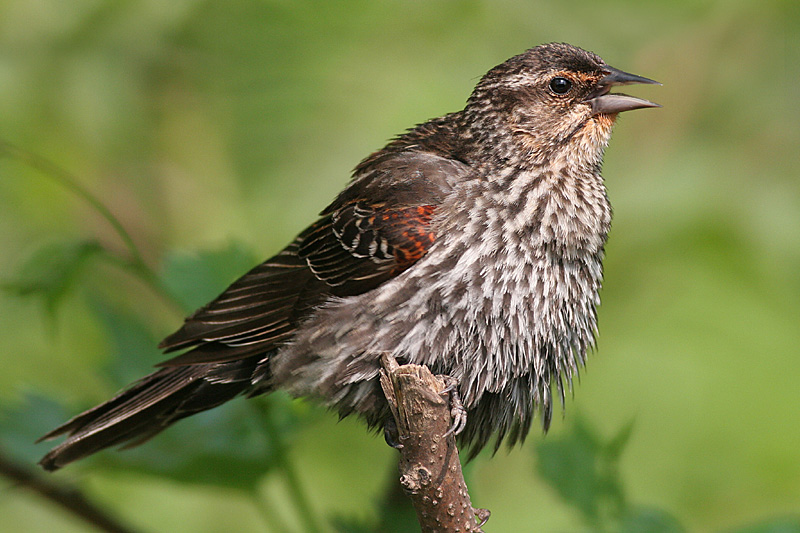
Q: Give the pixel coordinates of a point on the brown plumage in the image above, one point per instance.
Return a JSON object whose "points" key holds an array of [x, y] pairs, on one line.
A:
{"points": [[472, 244]]}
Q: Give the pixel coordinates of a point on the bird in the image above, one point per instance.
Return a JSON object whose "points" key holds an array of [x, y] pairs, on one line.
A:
{"points": [[471, 243]]}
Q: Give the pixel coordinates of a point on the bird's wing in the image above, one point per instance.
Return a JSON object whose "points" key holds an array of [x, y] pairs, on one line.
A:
{"points": [[362, 244], [377, 227]]}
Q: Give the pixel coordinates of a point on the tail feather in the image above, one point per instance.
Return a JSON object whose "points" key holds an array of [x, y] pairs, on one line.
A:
{"points": [[147, 407]]}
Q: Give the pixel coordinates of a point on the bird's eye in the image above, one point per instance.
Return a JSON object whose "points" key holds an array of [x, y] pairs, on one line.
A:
{"points": [[560, 85]]}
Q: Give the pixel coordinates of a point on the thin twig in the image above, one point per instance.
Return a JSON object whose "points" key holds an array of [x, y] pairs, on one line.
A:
{"points": [[70, 182], [135, 263], [284, 461], [69, 498]]}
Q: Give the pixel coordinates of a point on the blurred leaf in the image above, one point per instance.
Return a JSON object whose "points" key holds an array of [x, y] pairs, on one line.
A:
{"points": [[22, 424], [649, 520], [618, 442], [52, 270], [789, 524], [134, 350], [196, 278], [583, 472]]}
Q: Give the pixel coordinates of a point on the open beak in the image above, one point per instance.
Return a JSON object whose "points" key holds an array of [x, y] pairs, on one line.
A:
{"points": [[603, 102]]}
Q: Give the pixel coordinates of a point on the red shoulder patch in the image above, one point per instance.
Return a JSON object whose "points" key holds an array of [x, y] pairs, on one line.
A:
{"points": [[408, 231]]}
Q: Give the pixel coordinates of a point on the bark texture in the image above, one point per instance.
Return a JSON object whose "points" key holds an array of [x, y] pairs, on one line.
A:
{"points": [[430, 469]]}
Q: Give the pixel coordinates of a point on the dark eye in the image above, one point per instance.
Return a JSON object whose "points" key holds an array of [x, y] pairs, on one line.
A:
{"points": [[560, 85]]}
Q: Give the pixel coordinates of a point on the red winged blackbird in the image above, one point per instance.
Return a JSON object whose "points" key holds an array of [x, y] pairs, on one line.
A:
{"points": [[472, 243]]}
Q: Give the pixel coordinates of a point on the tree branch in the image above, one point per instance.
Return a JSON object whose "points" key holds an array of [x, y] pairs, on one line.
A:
{"points": [[69, 498], [430, 469]]}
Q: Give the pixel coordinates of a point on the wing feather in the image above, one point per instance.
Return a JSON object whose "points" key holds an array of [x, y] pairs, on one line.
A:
{"points": [[361, 241]]}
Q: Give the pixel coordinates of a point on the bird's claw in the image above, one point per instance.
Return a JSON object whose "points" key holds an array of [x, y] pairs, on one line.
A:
{"points": [[482, 515], [457, 411]]}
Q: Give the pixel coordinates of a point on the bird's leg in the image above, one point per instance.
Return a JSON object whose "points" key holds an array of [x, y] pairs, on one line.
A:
{"points": [[457, 411], [391, 434]]}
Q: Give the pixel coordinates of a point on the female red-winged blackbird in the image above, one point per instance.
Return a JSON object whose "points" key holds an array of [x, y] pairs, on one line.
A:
{"points": [[472, 243]]}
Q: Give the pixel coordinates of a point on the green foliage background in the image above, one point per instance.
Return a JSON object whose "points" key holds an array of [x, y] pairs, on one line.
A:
{"points": [[215, 130]]}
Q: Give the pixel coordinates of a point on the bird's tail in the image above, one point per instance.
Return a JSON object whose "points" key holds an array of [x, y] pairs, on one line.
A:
{"points": [[147, 407]]}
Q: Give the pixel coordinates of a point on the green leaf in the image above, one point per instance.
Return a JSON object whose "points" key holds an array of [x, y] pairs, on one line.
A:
{"points": [[584, 469], [649, 520], [618, 442], [52, 270], [196, 278], [571, 465]]}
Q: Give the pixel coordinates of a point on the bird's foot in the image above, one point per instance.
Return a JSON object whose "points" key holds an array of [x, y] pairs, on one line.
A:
{"points": [[457, 411], [482, 515]]}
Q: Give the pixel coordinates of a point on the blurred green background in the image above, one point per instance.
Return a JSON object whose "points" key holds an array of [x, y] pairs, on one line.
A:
{"points": [[215, 130]]}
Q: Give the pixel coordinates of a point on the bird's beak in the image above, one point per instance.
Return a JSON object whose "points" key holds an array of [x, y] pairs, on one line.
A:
{"points": [[603, 102]]}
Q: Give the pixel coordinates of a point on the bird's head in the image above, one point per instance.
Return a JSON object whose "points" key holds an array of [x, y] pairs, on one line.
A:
{"points": [[553, 100]]}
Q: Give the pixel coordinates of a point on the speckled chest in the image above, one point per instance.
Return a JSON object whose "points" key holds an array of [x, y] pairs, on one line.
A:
{"points": [[511, 287]]}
